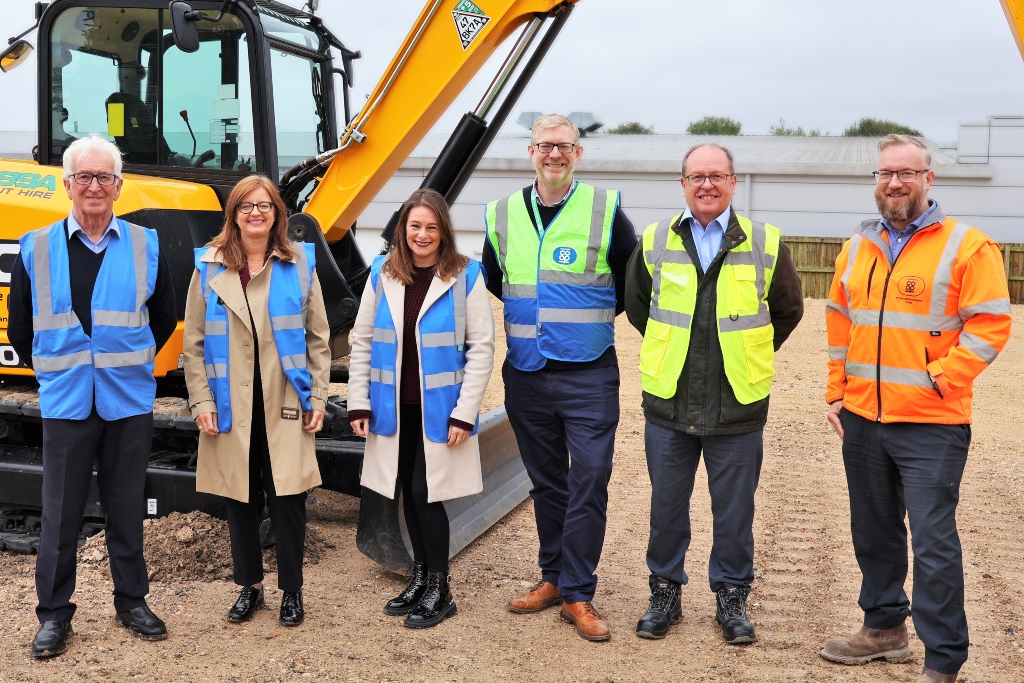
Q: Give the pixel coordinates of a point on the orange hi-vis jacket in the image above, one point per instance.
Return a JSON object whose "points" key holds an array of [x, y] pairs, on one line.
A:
{"points": [[900, 334]]}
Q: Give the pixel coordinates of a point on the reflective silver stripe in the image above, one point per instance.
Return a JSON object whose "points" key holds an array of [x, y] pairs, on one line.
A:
{"points": [[746, 322], [288, 322], [294, 362], [993, 307], [842, 310], [576, 315], [501, 231], [124, 359], [656, 257], [216, 370], [864, 317], [978, 346], [838, 352], [677, 256], [519, 291], [54, 321], [674, 318], [385, 336], [138, 237], [562, 277], [743, 258], [443, 379], [851, 259], [216, 327], [459, 305], [382, 376], [434, 339], [944, 269], [912, 378], [304, 280], [596, 228], [58, 363], [876, 239], [925, 323], [121, 318], [520, 331]]}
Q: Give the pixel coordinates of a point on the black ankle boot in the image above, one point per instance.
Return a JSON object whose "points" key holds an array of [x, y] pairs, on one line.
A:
{"points": [[408, 598], [731, 615], [436, 605]]}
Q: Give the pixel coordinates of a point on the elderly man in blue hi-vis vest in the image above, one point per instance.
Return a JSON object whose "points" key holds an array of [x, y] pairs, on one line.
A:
{"points": [[91, 304], [556, 254]]}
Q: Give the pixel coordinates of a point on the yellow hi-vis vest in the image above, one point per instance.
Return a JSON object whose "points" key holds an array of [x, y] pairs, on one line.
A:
{"points": [[745, 330]]}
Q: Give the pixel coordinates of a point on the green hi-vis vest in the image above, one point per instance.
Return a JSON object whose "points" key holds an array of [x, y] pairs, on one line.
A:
{"points": [[745, 330]]}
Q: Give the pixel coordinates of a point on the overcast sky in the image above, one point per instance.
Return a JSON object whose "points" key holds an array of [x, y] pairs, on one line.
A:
{"points": [[925, 63]]}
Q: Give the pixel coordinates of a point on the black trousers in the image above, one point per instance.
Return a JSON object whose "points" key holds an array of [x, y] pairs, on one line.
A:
{"points": [[427, 523], [69, 449], [287, 513], [905, 470]]}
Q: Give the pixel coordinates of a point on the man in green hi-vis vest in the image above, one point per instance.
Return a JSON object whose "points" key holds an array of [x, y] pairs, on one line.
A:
{"points": [[714, 294]]}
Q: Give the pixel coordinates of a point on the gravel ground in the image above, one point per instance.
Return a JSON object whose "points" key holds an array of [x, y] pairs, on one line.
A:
{"points": [[805, 592]]}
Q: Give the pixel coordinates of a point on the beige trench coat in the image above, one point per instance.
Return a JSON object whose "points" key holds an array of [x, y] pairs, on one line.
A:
{"points": [[452, 471], [223, 466]]}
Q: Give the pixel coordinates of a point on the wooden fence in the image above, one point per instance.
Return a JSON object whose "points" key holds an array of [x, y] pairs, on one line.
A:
{"points": [[815, 259]]}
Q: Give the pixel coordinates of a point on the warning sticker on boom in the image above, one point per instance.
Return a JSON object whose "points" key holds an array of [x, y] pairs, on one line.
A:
{"points": [[469, 21]]}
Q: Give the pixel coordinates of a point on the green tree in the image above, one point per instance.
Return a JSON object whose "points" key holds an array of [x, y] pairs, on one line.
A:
{"points": [[631, 128], [714, 125], [878, 128], [793, 132]]}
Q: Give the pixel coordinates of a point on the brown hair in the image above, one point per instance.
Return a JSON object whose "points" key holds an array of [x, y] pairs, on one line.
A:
{"points": [[229, 241], [399, 264]]}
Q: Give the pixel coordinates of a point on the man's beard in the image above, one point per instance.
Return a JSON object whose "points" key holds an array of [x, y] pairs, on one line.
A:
{"points": [[900, 209]]}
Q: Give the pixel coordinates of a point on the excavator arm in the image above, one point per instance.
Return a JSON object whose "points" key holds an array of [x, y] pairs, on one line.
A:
{"points": [[1014, 10]]}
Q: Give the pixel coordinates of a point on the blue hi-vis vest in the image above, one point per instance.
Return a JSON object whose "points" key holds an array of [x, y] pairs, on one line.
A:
{"points": [[442, 356], [115, 364], [557, 286], [289, 294]]}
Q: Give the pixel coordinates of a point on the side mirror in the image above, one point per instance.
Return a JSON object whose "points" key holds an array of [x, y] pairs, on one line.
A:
{"points": [[183, 25], [15, 55]]}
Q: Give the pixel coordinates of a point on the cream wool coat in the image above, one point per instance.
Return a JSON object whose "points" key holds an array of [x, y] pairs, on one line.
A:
{"points": [[452, 471], [223, 466]]}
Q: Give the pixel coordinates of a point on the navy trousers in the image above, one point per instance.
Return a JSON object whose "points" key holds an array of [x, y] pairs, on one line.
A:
{"points": [[733, 463], [564, 422], [70, 447], [900, 470]]}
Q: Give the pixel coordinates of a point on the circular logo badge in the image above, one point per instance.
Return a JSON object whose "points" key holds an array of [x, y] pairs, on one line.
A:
{"points": [[911, 286], [565, 256]]}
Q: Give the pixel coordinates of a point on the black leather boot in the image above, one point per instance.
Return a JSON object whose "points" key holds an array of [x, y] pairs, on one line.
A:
{"points": [[249, 600], [407, 599], [731, 615], [292, 613], [664, 611], [51, 639], [436, 605]]}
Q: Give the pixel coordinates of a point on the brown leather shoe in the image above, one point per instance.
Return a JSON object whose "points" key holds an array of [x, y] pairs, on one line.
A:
{"points": [[587, 621], [933, 676], [540, 597], [869, 644]]}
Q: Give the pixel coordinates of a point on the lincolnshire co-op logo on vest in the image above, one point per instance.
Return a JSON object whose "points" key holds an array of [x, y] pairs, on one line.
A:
{"points": [[911, 287], [565, 256]]}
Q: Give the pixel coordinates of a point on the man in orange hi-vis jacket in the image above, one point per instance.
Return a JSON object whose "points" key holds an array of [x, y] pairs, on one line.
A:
{"points": [[918, 308]]}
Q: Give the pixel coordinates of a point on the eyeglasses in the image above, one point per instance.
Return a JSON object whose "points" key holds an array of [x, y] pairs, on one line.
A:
{"points": [[907, 175], [563, 147], [247, 207], [718, 179], [105, 179]]}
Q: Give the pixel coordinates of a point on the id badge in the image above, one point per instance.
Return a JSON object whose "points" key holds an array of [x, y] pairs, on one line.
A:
{"points": [[289, 413]]}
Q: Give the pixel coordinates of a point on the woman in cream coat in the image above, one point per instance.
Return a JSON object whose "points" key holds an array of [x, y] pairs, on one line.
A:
{"points": [[424, 437], [267, 446]]}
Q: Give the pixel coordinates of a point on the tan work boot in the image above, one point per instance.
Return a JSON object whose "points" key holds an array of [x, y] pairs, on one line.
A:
{"points": [[933, 676], [587, 621], [540, 597], [869, 644]]}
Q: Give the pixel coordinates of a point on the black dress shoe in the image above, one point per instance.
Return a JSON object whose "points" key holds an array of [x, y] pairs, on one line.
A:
{"points": [[664, 611], [731, 615], [436, 604], [143, 623], [51, 639], [249, 600], [408, 598], [292, 613]]}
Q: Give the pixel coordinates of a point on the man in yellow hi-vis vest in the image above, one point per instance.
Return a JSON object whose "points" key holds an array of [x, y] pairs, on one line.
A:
{"points": [[715, 295]]}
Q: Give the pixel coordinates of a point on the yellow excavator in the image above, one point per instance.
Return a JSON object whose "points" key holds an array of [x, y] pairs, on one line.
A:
{"points": [[197, 96]]}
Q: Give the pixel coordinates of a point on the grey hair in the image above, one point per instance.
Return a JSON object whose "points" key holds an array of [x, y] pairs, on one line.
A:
{"points": [[713, 145], [553, 121], [893, 140], [85, 146]]}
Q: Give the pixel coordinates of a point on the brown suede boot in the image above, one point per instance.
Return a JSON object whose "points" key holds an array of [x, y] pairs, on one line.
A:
{"points": [[540, 597], [933, 676], [587, 621], [869, 644]]}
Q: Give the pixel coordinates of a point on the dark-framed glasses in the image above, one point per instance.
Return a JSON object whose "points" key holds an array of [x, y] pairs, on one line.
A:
{"points": [[264, 207], [907, 175], [105, 179], [563, 147], [718, 179]]}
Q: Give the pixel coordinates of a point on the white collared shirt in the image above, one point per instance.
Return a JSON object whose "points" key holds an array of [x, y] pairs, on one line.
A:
{"points": [[95, 247]]}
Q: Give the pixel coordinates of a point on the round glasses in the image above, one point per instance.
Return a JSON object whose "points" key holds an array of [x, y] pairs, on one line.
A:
{"points": [[247, 207]]}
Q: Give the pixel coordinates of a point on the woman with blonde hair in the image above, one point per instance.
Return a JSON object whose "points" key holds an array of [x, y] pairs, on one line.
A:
{"points": [[422, 354], [257, 365]]}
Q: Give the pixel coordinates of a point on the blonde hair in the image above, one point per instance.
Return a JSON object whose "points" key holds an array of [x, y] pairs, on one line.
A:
{"points": [[553, 121], [894, 139]]}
